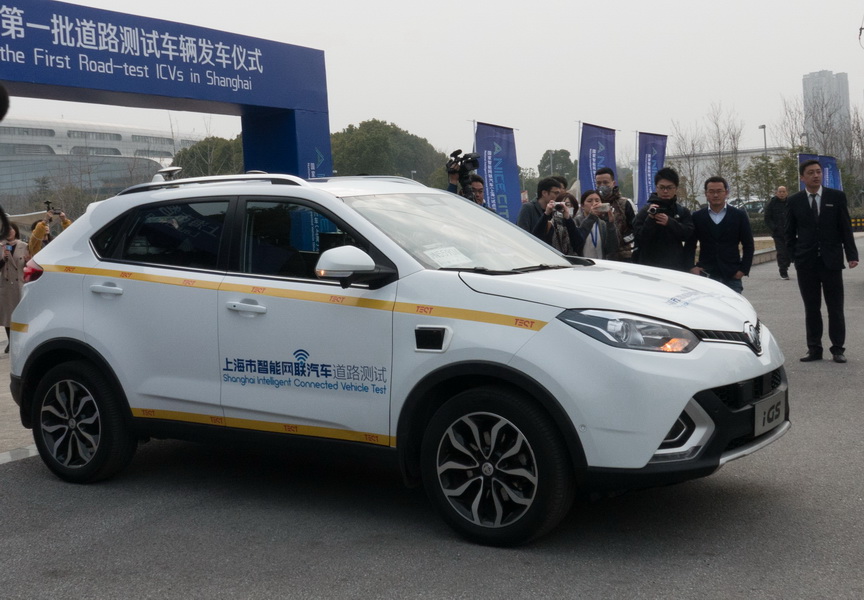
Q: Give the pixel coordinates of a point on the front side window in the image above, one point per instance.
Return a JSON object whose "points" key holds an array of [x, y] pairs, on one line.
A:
{"points": [[185, 234], [285, 239]]}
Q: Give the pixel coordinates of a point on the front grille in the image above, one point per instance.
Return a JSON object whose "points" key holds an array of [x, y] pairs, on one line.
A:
{"points": [[741, 394], [751, 336]]}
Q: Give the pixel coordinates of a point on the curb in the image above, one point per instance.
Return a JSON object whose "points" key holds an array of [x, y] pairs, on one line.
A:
{"points": [[18, 454]]}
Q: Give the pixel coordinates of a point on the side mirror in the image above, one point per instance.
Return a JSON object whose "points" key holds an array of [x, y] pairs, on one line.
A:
{"points": [[349, 264]]}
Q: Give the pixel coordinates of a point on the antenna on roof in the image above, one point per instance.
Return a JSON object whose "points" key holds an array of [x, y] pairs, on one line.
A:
{"points": [[166, 174]]}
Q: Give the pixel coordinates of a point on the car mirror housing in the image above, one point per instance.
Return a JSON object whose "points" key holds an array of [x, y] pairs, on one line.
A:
{"points": [[347, 265]]}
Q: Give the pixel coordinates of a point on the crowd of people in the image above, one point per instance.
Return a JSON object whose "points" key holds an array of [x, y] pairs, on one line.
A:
{"points": [[811, 229]]}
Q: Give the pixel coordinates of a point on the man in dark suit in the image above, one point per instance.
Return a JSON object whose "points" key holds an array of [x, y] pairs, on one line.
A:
{"points": [[720, 230], [818, 233]]}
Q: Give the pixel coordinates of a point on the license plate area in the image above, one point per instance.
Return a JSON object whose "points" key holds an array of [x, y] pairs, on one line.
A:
{"points": [[768, 413]]}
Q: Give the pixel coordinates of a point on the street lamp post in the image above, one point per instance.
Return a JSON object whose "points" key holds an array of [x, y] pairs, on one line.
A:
{"points": [[765, 146]]}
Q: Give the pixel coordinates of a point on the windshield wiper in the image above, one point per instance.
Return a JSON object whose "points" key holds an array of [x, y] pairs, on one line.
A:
{"points": [[539, 268], [483, 270]]}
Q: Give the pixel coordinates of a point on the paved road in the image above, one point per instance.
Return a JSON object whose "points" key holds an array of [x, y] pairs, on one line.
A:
{"points": [[187, 521]]}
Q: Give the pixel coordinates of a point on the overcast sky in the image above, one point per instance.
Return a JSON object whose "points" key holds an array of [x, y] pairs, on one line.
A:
{"points": [[540, 67]]}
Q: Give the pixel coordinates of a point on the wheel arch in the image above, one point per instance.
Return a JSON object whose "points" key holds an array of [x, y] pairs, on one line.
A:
{"points": [[53, 353], [439, 386]]}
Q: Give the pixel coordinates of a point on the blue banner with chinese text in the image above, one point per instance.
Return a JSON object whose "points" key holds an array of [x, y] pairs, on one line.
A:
{"points": [[497, 149], [652, 154], [597, 150]]}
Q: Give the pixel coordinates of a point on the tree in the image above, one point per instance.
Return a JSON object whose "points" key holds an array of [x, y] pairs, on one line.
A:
{"points": [[688, 144], [211, 156], [557, 162], [380, 148]]}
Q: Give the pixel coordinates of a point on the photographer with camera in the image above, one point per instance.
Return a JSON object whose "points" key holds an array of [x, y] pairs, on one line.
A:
{"points": [[594, 219], [551, 219], [663, 226], [41, 233], [460, 174]]}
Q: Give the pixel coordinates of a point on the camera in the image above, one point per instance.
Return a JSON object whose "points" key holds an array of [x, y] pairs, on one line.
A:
{"points": [[658, 210], [559, 206], [604, 207], [463, 164]]}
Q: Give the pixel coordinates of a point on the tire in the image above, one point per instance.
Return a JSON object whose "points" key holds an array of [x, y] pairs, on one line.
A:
{"points": [[495, 467], [78, 424]]}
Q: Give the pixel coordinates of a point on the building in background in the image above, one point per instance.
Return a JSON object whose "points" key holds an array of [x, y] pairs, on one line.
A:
{"points": [[38, 156], [827, 113]]}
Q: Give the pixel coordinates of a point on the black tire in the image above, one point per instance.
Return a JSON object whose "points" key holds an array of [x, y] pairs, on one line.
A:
{"points": [[78, 424], [496, 468]]}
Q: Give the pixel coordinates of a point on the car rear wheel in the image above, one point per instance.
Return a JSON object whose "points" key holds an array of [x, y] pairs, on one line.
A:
{"points": [[78, 426], [496, 468]]}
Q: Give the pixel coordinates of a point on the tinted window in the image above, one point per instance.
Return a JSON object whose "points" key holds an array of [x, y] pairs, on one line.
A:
{"points": [[181, 235], [283, 238]]}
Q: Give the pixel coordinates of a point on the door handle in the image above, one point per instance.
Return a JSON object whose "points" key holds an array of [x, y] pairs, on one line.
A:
{"points": [[106, 289], [244, 307]]}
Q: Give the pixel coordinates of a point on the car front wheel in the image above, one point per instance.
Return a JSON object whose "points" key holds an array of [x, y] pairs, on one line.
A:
{"points": [[495, 466], [78, 426]]}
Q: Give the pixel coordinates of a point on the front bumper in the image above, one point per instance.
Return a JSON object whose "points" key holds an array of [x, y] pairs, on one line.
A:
{"points": [[717, 427]]}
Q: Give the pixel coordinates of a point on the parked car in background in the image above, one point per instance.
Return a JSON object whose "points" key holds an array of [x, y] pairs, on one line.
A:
{"points": [[380, 312]]}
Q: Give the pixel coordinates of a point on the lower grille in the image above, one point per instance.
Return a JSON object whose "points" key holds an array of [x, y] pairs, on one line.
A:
{"points": [[738, 395]]}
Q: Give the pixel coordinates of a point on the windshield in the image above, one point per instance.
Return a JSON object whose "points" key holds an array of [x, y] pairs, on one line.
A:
{"points": [[443, 231]]}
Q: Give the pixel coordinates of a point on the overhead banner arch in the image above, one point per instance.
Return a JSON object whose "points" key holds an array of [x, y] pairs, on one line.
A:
{"points": [[61, 51]]}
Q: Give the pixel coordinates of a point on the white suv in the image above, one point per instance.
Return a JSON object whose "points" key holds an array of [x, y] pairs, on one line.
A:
{"points": [[382, 312]]}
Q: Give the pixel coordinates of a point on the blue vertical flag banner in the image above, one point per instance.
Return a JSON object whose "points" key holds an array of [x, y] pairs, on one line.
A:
{"points": [[652, 154], [830, 171], [597, 150], [497, 149]]}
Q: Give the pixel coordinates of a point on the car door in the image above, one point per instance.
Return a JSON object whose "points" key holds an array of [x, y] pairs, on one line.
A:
{"points": [[299, 355], [150, 308]]}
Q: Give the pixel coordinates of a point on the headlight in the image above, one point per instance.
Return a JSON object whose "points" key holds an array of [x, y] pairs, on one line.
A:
{"points": [[623, 330]]}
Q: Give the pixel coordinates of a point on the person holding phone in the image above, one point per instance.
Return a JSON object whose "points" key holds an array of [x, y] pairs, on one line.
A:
{"points": [[595, 219], [41, 233], [14, 258]]}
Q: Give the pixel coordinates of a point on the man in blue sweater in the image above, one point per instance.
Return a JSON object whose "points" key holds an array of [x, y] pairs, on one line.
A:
{"points": [[724, 237]]}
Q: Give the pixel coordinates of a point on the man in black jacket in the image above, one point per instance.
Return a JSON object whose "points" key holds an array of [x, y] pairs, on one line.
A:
{"points": [[818, 233], [775, 219], [662, 226], [719, 229]]}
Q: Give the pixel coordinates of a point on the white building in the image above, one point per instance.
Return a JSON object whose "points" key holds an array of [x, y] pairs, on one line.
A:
{"points": [[93, 156]]}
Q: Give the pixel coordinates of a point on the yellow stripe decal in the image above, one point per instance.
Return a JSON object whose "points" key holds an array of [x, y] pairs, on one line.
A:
{"points": [[464, 314], [268, 426], [19, 327], [443, 312], [134, 276]]}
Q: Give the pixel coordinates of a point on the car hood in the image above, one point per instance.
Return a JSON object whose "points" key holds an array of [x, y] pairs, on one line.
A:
{"points": [[682, 298]]}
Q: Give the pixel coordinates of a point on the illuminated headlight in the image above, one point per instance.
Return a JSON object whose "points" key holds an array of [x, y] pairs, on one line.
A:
{"points": [[623, 330]]}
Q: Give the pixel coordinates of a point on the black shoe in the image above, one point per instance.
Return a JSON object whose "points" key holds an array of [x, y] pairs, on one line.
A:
{"points": [[784, 274], [840, 358], [811, 356]]}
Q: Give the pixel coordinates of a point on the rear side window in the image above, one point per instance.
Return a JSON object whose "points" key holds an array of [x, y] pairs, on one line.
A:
{"points": [[186, 234]]}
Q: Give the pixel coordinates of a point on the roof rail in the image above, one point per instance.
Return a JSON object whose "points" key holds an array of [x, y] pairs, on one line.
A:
{"points": [[391, 178], [273, 179]]}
